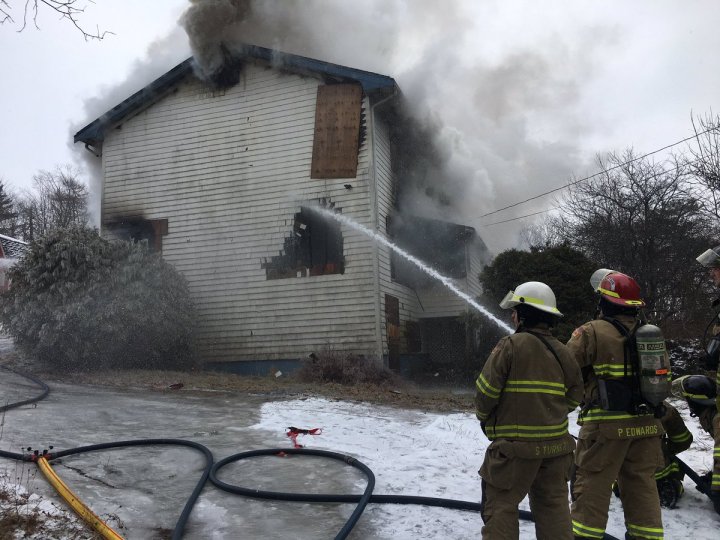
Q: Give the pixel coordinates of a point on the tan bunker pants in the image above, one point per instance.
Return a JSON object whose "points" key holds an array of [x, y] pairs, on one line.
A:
{"points": [[506, 482], [633, 462]]}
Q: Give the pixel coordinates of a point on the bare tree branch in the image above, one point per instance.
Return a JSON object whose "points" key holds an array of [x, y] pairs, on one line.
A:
{"points": [[67, 9], [643, 218], [5, 12]]}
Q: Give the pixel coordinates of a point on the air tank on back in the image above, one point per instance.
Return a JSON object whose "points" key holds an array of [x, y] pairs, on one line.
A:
{"points": [[654, 364]]}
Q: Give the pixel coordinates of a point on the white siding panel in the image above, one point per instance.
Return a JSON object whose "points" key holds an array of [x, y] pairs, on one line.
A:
{"points": [[229, 171]]}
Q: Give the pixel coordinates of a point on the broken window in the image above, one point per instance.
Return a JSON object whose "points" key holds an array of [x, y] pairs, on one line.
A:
{"points": [[314, 248], [338, 131], [149, 231]]}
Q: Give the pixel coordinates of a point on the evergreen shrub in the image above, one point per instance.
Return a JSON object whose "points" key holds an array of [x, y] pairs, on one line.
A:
{"points": [[80, 302]]}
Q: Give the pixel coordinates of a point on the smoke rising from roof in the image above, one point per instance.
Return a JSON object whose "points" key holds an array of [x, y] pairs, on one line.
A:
{"points": [[497, 109], [162, 55], [490, 118]]}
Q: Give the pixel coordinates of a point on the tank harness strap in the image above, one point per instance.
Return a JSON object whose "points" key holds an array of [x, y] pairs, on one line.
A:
{"points": [[547, 344]]}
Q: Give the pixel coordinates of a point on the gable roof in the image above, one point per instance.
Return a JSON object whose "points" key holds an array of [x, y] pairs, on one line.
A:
{"points": [[94, 132], [12, 248]]}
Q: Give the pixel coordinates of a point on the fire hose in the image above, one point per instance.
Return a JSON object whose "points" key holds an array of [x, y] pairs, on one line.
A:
{"points": [[211, 472]]}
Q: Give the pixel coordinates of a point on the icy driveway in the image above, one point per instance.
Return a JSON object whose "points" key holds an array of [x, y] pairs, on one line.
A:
{"points": [[410, 452], [147, 487]]}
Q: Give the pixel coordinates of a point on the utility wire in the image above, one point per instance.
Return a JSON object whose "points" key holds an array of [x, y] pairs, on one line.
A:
{"points": [[519, 217], [557, 207], [596, 174]]}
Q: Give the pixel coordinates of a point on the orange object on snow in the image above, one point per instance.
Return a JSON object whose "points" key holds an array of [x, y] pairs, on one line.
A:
{"points": [[293, 433]]}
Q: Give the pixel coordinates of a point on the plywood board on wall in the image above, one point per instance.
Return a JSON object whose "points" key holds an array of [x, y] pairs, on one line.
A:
{"points": [[337, 131]]}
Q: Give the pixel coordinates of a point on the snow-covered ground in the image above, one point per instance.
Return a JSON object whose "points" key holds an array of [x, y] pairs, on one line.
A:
{"points": [[438, 455], [410, 452]]}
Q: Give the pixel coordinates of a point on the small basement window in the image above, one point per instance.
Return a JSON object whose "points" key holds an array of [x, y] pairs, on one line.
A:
{"points": [[314, 248]]}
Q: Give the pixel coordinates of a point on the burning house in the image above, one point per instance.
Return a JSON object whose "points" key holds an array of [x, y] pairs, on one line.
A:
{"points": [[11, 249], [221, 175]]}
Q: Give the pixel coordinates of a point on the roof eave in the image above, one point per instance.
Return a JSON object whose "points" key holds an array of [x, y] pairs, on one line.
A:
{"points": [[94, 133]]}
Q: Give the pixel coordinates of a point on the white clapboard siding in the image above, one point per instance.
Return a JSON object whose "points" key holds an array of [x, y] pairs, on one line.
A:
{"points": [[478, 257], [409, 305], [229, 170]]}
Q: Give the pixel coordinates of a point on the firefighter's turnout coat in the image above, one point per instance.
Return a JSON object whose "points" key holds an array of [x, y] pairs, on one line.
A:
{"points": [[524, 393], [613, 444]]}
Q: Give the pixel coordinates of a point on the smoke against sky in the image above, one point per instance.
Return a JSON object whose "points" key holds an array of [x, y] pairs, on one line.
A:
{"points": [[519, 95]]}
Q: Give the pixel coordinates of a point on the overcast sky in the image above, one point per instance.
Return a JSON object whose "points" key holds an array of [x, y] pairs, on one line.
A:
{"points": [[523, 93]]}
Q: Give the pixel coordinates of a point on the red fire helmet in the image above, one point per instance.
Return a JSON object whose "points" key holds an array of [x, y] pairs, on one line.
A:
{"points": [[621, 289]]}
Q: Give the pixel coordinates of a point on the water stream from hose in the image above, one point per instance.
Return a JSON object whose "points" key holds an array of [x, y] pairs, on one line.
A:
{"points": [[377, 237]]}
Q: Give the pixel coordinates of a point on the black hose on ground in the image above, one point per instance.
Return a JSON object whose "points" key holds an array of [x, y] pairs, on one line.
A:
{"points": [[179, 529], [44, 387], [361, 500], [211, 473], [702, 486]]}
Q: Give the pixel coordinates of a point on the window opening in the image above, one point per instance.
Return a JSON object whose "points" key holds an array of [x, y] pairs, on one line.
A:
{"points": [[149, 231], [314, 248]]}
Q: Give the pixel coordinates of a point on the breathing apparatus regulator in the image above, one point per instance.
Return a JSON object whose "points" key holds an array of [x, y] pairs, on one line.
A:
{"points": [[645, 382], [711, 259]]}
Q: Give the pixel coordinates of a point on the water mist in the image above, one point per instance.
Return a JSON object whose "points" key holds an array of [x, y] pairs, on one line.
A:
{"points": [[377, 237]]}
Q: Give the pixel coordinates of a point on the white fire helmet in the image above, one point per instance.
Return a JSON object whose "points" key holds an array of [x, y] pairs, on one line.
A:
{"points": [[710, 258], [534, 294]]}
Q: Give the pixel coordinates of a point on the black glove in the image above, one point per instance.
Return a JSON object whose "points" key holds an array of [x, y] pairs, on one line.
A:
{"points": [[482, 426]]}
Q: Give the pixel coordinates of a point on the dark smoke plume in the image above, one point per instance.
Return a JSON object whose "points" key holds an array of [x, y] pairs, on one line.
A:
{"points": [[490, 118]]}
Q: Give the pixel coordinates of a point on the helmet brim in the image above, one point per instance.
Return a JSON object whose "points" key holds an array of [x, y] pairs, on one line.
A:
{"points": [[709, 259], [621, 302], [511, 300]]}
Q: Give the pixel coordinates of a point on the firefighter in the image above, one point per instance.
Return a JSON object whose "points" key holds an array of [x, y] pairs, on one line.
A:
{"points": [[617, 439], [711, 260], [700, 392], [525, 391]]}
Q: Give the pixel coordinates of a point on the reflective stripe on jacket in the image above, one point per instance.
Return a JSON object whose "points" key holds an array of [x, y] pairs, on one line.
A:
{"points": [[524, 392]]}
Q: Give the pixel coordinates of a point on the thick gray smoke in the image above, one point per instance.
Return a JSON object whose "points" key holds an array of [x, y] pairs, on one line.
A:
{"points": [[483, 113], [498, 116], [211, 27], [162, 55]]}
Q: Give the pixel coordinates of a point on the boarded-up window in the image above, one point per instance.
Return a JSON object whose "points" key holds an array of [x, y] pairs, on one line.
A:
{"points": [[337, 131]]}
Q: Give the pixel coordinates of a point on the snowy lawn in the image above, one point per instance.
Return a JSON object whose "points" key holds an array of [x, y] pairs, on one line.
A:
{"points": [[410, 453], [438, 455]]}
